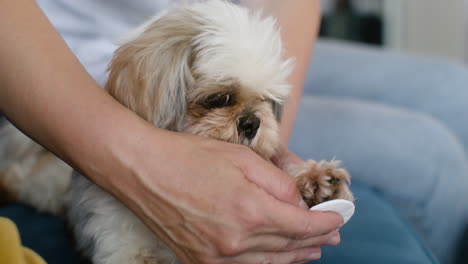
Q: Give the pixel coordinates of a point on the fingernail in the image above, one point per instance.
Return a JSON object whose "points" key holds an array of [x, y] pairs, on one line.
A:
{"points": [[315, 255], [334, 240], [302, 204]]}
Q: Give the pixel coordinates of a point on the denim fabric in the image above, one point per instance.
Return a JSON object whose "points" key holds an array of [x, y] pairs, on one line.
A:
{"points": [[376, 234], [433, 86]]}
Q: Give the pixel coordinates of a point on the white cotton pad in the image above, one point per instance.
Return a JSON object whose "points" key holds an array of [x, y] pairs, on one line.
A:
{"points": [[344, 208]]}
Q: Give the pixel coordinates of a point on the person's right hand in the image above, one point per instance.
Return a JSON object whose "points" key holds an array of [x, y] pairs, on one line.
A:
{"points": [[216, 202]]}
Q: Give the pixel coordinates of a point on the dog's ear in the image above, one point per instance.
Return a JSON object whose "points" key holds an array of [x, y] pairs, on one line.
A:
{"points": [[150, 73]]}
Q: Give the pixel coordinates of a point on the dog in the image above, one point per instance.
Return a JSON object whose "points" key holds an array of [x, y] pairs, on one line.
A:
{"points": [[212, 69]]}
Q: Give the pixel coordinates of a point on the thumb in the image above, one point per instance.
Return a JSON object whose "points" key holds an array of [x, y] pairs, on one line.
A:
{"points": [[274, 181]]}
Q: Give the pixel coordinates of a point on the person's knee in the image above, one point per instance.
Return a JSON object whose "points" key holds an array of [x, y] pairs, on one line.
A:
{"points": [[436, 146], [378, 143], [449, 72], [426, 148], [430, 140], [442, 164]]}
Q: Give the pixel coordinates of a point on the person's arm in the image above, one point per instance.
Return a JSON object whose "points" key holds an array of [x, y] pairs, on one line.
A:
{"points": [[299, 22], [299, 28], [210, 201]]}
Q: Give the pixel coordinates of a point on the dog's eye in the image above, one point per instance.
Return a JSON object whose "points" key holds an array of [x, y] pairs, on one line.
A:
{"points": [[219, 100]]}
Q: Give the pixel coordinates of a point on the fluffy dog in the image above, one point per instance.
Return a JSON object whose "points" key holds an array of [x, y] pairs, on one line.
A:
{"points": [[212, 69]]}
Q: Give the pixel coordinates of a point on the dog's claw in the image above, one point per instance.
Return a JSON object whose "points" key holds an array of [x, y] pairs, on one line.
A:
{"points": [[334, 181]]}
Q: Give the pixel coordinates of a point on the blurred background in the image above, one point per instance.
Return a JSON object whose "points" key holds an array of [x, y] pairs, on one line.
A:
{"points": [[429, 27]]}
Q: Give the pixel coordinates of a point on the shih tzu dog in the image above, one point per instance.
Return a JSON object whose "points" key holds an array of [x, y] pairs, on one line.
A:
{"points": [[212, 69]]}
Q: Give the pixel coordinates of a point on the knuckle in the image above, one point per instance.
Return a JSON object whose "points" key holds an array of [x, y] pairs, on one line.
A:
{"points": [[251, 216], [290, 243], [230, 246], [309, 230], [290, 188], [337, 223]]}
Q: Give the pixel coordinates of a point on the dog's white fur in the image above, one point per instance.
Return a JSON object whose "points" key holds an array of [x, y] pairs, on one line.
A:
{"points": [[166, 71], [32, 174]]}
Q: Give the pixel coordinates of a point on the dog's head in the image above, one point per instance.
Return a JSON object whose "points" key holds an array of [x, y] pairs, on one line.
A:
{"points": [[211, 69]]}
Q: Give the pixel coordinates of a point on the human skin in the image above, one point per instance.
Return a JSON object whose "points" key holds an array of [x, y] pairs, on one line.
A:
{"points": [[210, 201]]}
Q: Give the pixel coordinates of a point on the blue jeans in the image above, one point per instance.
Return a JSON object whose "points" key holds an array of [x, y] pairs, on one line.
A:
{"points": [[399, 123]]}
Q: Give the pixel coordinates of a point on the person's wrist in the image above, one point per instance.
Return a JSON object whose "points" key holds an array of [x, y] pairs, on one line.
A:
{"points": [[111, 152], [133, 179]]}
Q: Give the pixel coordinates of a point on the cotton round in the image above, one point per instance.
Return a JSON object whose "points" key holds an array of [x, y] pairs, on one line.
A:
{"points": [[344, 208]]}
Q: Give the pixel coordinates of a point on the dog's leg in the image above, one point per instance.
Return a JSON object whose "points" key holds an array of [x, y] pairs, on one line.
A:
{"points": [[109, 233], [42, 188], [321, 181], [30, 174]]}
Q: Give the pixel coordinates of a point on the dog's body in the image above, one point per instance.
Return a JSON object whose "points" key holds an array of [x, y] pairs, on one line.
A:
{"points": [[211, 69]]}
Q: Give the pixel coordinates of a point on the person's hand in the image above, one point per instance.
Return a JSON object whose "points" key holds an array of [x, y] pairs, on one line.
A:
{"points": [[216, 202]]}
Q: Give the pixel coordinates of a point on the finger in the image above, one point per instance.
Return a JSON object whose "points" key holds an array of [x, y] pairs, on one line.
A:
{"points": [[274, 243], [299, 255], [291, 221], [273, 181], [331, 239]]}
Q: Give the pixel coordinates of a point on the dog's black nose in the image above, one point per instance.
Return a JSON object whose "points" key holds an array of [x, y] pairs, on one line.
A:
{"points": [[248, 125]]}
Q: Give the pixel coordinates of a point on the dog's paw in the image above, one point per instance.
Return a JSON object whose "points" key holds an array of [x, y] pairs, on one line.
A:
{"points": [[321, 181]]}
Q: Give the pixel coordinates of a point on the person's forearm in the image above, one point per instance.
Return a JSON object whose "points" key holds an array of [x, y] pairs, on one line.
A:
{"points": [[46, 92], [299, 21], [299, 27]]}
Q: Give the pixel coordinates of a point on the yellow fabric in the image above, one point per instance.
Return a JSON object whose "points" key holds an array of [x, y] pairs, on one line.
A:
{"points": [[11, 251]]}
